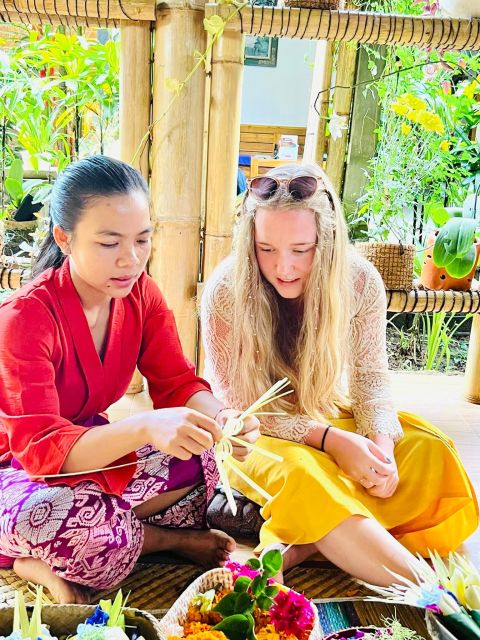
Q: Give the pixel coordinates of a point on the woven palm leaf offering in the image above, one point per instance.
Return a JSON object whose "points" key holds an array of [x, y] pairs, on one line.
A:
{"points": [[449, 592], [28, 627], [242, 602], [107, 621], [224, 448]]}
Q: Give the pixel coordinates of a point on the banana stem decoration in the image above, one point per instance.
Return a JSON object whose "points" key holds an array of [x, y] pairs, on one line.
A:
{"points": [[233, 426]]}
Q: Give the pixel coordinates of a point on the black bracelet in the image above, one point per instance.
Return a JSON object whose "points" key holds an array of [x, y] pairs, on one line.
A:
{"points": [[322, 445]]}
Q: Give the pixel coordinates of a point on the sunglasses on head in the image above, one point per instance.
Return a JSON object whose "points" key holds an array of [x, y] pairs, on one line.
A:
{"points": [[299, 188]]}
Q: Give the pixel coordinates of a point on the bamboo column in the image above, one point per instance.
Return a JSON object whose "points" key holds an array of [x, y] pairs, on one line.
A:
{"points": [[135, 107], [342, 101], [176, 164], [223, 145], [472, 371], [319, 97]]}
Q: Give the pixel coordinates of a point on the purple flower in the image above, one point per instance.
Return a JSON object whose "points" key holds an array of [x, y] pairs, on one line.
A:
{"points": [[435, 608]]}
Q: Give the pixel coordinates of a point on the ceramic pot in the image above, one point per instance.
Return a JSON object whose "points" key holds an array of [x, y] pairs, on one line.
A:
{"points": [[436, 278]]}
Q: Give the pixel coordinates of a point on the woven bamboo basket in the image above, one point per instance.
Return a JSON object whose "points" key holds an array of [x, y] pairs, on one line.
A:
{"points": [[63, 619], [313, 4], [394, 262], [177, 613]]}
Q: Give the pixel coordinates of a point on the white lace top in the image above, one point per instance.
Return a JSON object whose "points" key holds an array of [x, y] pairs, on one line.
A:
{"points": [[367, 368]]}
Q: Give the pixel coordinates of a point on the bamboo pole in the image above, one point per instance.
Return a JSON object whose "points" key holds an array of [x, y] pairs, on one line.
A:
{"points": [[176, 163], [342, 103], [135, 107], [425, 301], [472, 370], [354, 26], [319, 98], [101, 9], [223, 145]]}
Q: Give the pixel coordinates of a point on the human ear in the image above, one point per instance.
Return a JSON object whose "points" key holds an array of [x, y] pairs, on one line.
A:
{"points": [[62, 238]]}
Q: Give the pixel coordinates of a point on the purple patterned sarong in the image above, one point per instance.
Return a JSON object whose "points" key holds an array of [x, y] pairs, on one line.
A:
{"points": [[90, 537]]}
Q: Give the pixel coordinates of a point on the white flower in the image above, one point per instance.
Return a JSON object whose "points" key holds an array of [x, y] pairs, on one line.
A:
{"points": [[336, 125], [115, 633]]}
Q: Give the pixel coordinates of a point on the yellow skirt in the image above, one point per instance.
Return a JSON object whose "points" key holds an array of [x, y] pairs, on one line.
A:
{"points": [[434, 506]]}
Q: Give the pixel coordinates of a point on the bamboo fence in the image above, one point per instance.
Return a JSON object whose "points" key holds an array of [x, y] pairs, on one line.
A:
{"points": [[96, 13], [354, 26]]}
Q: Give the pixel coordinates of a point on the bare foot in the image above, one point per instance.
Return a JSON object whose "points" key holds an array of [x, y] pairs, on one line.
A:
{"points": [[39, 572], [209, 547], [292, 556]]}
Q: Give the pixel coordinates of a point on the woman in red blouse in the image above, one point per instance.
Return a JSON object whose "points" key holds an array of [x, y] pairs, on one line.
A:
{"points": [[69, 344]]}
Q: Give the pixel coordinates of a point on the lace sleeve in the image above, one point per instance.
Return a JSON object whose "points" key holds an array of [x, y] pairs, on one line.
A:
{"points": [[216, 328], [369, 383]]}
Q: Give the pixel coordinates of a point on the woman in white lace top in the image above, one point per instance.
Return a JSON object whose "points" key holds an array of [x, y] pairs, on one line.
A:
{"points": [[360, 483]]}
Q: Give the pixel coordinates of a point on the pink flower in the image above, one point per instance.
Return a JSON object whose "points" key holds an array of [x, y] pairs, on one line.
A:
{"points": [[291, 613], [238, 570]]}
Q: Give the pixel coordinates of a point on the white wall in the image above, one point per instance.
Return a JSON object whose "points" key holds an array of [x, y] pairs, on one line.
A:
{"points": [[280, 95]]}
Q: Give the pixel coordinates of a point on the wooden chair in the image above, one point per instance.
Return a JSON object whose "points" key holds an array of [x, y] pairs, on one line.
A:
{"points": [[260, 166]]}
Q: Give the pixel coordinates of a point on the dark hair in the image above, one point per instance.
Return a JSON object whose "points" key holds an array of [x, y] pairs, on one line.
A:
{"points": [[80, 182]]}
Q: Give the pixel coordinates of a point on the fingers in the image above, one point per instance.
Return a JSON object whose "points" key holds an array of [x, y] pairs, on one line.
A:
{"points": [[381, 462], [250, 424], [207, 424]]}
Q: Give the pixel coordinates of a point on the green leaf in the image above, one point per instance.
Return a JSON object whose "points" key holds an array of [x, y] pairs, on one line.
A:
{"points": [[244, 603], [235, 627], [226, 606], [14, 188], [242, 583], [16, 170], [461, 266], [454, 239], [258, 585], [264, 602], [272, 563], [436, 212], [271, 591], [254, 563]]}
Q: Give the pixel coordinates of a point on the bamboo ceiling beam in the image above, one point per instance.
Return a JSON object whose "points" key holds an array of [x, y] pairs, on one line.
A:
{"points": [[353, 26], [66, 12]]}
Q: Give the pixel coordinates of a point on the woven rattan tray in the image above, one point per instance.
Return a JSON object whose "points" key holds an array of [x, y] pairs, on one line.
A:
{"points": [[208, 580]]}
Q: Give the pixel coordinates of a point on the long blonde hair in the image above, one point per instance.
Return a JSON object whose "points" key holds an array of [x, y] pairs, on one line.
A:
{"points": [[320, 346]]}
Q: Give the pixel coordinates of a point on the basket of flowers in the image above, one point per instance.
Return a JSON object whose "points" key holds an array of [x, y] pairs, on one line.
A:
{"points": [[242, 602]]}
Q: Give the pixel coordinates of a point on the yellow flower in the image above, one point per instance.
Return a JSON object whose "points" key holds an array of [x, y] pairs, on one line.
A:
{"points": [[444, 145], [399, 108], [406, 128], [431, 121], [411, 101], [472, 88]]}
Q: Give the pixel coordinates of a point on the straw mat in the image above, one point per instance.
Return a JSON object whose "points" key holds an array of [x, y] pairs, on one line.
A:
{"points": [[157, 586]]}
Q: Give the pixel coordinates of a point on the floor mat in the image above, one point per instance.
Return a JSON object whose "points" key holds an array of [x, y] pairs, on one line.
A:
{"points": [[157, 586]]}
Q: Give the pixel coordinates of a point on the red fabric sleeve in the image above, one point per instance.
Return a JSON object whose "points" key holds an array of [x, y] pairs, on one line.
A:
{"points": [[170, 375], [39, 438]]}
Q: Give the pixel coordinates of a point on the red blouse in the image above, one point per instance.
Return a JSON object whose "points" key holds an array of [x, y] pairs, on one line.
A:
{"points": [[53, 382]]}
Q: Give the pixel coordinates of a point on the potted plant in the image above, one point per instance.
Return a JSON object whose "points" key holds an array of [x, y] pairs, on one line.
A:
{"points": [[453, 250], [19, 215]]}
